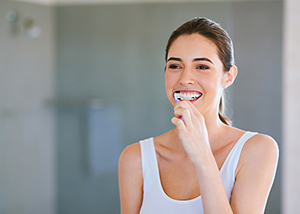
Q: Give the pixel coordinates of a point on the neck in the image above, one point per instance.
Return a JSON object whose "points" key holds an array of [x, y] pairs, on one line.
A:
{"points": [[213, 123], [216, 130]]}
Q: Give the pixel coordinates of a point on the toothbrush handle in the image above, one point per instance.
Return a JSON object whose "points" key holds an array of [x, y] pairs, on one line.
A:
{"points": [[177, 100]]}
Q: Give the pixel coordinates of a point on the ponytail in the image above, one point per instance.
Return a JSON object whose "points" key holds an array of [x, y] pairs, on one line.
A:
{"points": [[221, 113]]}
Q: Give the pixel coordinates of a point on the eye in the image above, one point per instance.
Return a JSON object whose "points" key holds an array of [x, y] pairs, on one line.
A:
{"points": [[202, 67], [173, 66]]}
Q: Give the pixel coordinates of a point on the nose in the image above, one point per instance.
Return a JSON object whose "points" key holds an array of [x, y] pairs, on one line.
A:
{"points": [[187, 77]]}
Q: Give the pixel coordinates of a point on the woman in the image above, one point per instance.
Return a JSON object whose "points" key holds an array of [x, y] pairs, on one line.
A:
{"points": [[204, 165]]}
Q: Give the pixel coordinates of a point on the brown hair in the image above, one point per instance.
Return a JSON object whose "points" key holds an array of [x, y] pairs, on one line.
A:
{"points": [[218, 36]]}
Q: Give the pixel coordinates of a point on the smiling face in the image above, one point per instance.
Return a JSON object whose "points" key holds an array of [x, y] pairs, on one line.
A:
{"points": [[195, 72]]}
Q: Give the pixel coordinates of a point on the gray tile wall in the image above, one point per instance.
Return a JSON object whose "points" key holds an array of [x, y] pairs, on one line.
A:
{"points": [[107, 61], [27, 156], [115, 53]]}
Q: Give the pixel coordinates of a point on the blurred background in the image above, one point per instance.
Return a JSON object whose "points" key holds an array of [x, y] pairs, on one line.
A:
{"points": [[81, 80]]}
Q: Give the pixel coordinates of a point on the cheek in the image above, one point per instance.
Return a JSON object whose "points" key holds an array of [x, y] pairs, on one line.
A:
{"points": [[212, 86], [224, 81], [170, 81], [210, 83]]}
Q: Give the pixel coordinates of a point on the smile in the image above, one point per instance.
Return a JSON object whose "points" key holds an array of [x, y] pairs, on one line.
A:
{"points": [[187, 95]]}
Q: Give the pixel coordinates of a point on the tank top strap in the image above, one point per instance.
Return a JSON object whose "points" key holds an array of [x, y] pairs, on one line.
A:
{"points": [[149, 163], [228, 169], [235, 153]]}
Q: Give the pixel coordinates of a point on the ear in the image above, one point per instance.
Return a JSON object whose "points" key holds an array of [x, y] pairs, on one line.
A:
{"points": [[230, 76]]}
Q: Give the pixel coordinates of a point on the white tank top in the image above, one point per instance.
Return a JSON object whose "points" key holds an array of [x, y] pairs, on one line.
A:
{"points": [[156, 201]]}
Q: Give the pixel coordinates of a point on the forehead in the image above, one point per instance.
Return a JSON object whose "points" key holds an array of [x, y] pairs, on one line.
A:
{"points": [[194, 44]]}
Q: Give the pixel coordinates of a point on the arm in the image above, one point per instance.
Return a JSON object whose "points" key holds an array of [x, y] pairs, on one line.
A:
{"points": [[130, 180], [194, 138], [254, 178], [255, 173]]}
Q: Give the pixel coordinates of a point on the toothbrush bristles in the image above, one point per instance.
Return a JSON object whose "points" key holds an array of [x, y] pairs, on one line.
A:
{"points": [[177, 95]]}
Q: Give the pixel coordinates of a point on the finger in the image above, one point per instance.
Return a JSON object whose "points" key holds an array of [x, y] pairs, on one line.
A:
{"points": [[179, 123], [185, 114], [195, 111], [187, 110]]}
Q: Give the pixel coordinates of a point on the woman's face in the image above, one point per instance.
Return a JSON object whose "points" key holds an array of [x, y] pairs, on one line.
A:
{"points": [[195, 71]]}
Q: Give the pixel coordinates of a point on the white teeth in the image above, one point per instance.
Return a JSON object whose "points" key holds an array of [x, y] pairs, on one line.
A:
{"points": [[188, 96]]}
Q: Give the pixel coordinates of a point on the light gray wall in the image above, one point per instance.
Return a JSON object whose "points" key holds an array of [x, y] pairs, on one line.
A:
{"points": [[108, 92], [27, 170], [257, 93], [291, 105], [115, 53]]}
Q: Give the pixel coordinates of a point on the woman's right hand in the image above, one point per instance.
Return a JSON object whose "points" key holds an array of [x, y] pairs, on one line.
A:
{"points": [[191, 129]]}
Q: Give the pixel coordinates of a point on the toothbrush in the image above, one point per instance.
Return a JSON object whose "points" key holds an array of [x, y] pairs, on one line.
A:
{"points": [[177, 99], [177, 96]]}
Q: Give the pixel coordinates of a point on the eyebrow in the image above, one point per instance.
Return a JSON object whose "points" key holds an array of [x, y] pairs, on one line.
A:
{"points": [[194, 60]]}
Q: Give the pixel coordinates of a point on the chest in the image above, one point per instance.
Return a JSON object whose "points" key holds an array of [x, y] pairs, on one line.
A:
{"points": [[178, 177]]}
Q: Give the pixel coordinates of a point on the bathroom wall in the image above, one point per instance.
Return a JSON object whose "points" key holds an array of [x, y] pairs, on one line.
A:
{"points": [[113, 53], [27, 156], [291, 105], [257, 92], [110, 58], [93, 83]]}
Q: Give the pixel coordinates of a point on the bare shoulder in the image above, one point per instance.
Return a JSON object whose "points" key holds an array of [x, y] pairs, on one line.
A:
{"points": [[255, 174], [261, 144], [131, 157], [260, 149], [130, 179]]}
